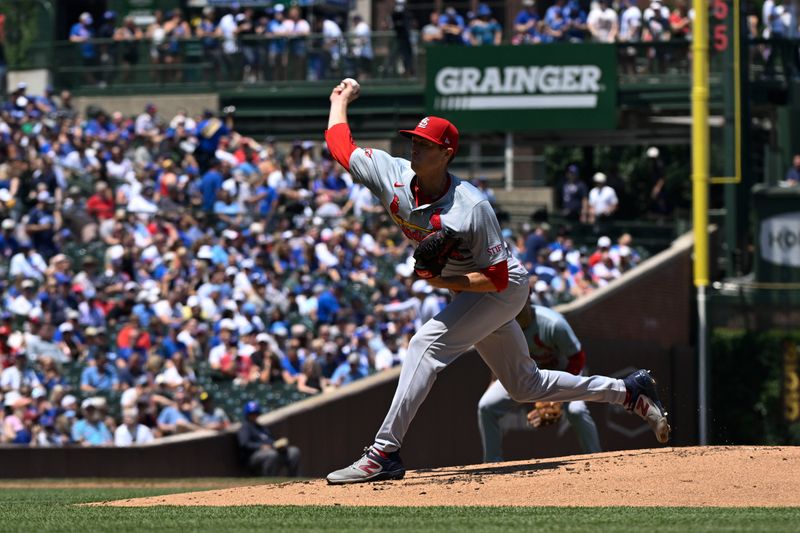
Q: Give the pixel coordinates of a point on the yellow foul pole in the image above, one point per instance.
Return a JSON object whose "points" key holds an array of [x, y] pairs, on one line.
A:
{"points": [[700, 179]]}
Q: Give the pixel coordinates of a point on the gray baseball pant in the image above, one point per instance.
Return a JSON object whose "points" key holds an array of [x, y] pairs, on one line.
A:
{"points": [[498, 413], [486, 321]]}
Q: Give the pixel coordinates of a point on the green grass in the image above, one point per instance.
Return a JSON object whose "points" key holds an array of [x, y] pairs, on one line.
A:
{"points": [[42, 509]]}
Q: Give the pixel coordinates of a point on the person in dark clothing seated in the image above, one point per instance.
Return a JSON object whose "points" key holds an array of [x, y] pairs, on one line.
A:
{"points": [[263, 453]]}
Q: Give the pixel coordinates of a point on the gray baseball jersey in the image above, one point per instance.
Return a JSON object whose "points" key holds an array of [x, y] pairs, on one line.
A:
{"points": [[551, 341], [462, 209], [550, 338], [484, 320]]}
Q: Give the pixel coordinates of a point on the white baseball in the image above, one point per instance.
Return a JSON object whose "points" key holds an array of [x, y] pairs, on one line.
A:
{"points": [[353, 83]]}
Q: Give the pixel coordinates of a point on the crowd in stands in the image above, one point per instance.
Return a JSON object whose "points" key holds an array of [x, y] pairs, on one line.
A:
{"points": [[239, 44], [148, 260], [290, 43]]}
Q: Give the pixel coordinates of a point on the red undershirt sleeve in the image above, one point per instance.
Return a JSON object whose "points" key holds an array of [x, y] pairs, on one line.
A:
{"points": [[576, 362], [498, 275], [340, 143]]}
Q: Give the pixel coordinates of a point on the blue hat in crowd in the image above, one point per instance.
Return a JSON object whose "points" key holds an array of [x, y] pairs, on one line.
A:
{"points": [[251, 407], [484, 11]]}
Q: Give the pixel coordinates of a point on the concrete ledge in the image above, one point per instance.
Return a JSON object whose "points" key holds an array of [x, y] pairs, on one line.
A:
{"points": [[168, 105]]}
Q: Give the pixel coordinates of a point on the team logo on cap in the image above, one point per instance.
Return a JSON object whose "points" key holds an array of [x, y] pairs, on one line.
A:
{"points": [[423, 123]]}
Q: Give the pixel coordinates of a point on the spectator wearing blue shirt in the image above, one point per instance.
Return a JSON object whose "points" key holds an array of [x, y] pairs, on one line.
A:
{"points": [[556, 26], [452, 25], [102, 376], [575, 18], [349, 371], [535, 242], [227, 209], [210, 184], [170, 345], [100, 126], [543, 270], [485, 30], [211, 50], [266, 200], [46, 103], [177, 416], [526, 25], [81, 32], [793, 174], [9, 246], [276, 45], [557, 9], [261, 451], [40, 225], [328, 305], [292, 362], [574, 196], [91, 430], [210, 416], [210, 132]]}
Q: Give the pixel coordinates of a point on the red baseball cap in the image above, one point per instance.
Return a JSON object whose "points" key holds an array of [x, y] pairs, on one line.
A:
{"points": [[437, 130]]}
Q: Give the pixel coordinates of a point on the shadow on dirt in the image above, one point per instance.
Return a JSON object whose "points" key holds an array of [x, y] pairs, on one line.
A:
{"points": [[489, 470]]}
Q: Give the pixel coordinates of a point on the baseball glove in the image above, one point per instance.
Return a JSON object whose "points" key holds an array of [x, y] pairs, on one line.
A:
{"points": [[431, 255], [545, 414]]}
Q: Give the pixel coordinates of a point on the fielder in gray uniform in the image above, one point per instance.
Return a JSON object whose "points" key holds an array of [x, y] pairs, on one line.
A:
{"points": [[490, 288], [554, 346]]}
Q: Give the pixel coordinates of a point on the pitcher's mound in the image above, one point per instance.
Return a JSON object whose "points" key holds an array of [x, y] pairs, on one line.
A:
{"points": [[706, 476]]}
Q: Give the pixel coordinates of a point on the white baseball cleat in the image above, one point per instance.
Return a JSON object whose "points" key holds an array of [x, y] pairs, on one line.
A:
{"points": [[643, 400]]}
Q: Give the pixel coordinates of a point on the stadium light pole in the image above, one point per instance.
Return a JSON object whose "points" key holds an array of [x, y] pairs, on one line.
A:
{"points": [[700, 181]]}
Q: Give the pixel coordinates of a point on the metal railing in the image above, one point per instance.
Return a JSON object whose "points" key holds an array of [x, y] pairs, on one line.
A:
{"points": [[210, 63]]}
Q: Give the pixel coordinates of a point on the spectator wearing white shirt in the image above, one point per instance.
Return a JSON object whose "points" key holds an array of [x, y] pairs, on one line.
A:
{"points": [[227, 29], [325, 249], [27, 263], [147, 123], [392, 354], [603, 201], [182, 120], [297, 30], [176, 372], [603, 23], [24, 304], [145, 202], [362, 47], [119, 166], [630, 31], [657, 29], [14, 377], [331, 47], [424, 304], [222, 356], [605, 271], [131, 432]]}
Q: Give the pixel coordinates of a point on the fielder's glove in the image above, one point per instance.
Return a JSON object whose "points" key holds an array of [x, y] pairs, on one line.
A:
{"points": [[431, 255], [545, 414]]}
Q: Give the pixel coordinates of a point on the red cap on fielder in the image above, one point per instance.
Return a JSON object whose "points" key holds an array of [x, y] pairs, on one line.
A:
{"points": [[437, 130]]}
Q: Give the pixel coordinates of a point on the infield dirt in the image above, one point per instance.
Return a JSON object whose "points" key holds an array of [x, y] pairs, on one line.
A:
{"points": [[703, 476]]}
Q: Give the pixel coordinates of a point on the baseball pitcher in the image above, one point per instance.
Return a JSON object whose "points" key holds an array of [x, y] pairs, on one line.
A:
{"points": [[459, 248], [554, 346]]}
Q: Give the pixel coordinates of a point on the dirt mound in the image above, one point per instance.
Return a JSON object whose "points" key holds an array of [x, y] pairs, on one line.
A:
{"points": [[705, 476]]}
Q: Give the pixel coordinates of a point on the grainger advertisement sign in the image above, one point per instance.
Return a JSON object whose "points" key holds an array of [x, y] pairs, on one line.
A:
{"points": [[518, 88]]}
